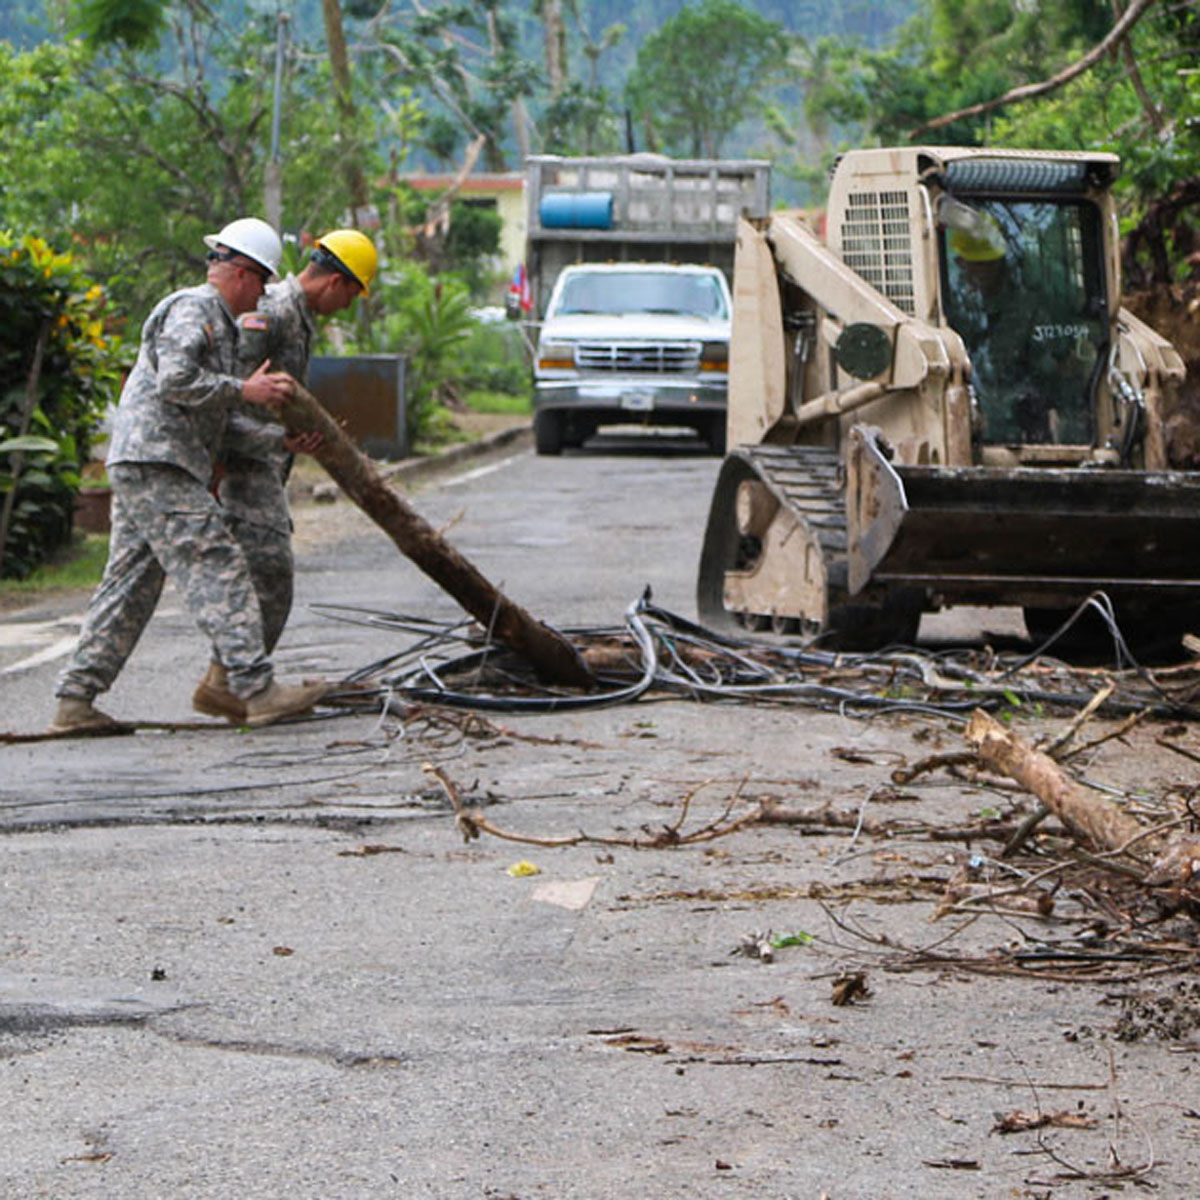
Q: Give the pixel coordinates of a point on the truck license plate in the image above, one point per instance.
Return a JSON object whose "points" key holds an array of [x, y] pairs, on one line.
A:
{"points": [[637, 401]]}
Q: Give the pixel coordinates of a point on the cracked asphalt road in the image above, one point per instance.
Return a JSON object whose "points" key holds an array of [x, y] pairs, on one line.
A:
{"points": [[263, 964]]}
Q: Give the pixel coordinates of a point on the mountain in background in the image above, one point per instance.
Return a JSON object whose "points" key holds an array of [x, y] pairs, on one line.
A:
{"points": [[26, 22], [870, 22]]}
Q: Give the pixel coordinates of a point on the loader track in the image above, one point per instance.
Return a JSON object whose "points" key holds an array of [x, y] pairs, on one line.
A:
{"points": [[809, 480]]}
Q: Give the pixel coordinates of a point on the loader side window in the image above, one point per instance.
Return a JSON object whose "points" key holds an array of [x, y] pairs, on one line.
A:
{"points": [[1023, 285]]}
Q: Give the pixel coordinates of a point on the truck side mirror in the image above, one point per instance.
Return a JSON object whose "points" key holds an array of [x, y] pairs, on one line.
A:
{"points": [[512, 307]]}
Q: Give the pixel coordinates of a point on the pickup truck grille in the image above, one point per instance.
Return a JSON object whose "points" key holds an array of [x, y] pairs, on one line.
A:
{"points": [[655, 358]]}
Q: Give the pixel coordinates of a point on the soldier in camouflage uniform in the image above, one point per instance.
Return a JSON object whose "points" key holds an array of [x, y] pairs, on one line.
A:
{"points": [[256, 453], [168, 426]]}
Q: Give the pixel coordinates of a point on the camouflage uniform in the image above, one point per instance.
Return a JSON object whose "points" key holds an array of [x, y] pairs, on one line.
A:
{"points": [[256, 464], [169, 422]]}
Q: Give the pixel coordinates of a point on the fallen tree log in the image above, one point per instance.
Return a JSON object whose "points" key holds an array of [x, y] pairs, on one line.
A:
{"points": [[550, 654], [1097, 822]]}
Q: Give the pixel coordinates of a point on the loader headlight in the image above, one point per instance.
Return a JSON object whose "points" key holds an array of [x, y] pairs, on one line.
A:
{"points": [[556, 356], [714, 356]]}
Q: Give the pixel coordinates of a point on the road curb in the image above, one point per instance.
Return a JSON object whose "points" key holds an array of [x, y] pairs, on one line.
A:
{"points": [[416, 470], [519, 437]]}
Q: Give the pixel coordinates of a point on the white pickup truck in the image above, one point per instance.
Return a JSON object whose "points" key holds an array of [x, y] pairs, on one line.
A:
{"points": [[623, 343], [629, 260]]}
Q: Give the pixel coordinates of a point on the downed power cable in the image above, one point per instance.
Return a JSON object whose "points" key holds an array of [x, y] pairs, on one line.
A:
{"points": [[659, 653]]}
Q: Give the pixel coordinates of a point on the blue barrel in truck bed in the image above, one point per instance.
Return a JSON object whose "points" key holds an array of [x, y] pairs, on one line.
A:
{"points": [[577, 210]]}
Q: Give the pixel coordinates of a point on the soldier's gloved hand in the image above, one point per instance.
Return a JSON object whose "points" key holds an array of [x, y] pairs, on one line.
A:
{"points": [[303, 443], [268, 388]]}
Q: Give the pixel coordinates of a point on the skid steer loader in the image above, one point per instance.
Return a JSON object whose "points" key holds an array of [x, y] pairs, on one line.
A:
{"points": [[943, 402]]}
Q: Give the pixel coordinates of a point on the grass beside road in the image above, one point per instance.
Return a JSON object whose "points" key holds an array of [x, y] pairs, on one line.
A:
{"points": [[499, 402], [79, 564], [481, 412]]}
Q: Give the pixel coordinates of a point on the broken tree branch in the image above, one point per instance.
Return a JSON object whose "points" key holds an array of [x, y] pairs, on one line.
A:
{"points": [[1117, 732], [471, 823], [552, 656], [1029, 91], [955, 758], [1097, 822], [1053, 747]]}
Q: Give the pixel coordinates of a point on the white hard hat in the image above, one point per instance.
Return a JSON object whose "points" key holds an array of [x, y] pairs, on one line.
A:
{"points": [[251, 237]]}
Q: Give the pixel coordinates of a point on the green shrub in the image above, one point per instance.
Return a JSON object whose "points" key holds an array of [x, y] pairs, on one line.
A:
{"points": [[45, 300], [427, 320], [472, 241], [441, 325], [494, 359]]}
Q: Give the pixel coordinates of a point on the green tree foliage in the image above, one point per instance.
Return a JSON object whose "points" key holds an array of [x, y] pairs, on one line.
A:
{"points": [[426, 318], [465, 56], [1141, 101], [137, 154], [132, 23], [580, 115], [1143, 104], [581, 120], [952, 54], [59, 367], [473, 239], [703, 73]]}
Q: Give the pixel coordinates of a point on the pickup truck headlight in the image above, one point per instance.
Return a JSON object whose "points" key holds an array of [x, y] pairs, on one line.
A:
{"points": [[556, 356], [714, 356]]}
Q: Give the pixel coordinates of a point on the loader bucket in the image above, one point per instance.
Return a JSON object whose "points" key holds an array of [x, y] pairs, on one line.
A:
{"points": [[1023, 536]]}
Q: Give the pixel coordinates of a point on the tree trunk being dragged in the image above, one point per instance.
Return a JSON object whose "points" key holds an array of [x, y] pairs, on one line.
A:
{"points": [[550, 654]]}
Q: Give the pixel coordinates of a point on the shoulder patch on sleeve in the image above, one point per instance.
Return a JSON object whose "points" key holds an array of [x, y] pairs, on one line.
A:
{"points": [[257, 321]]}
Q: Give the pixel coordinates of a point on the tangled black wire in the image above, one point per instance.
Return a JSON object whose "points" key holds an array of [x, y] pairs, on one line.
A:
{"points": [[658, 654]]}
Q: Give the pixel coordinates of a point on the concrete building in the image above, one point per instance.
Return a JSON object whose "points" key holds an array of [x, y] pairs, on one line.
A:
{"points": [[501, 192]]}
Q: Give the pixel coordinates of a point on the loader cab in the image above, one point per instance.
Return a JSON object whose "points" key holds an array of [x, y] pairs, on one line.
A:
{"points": [[1023, 284]]}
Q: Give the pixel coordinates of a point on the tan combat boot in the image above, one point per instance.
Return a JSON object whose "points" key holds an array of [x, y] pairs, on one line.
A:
{"points": [[279, 700], [213, 697], [76, 715]]}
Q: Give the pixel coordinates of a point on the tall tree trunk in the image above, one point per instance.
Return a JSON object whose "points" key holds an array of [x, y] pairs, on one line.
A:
{"points": [[335, 36], [493, 152], [556, 44], [521, 128]]}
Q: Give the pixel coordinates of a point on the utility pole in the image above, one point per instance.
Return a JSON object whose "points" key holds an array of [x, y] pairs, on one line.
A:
{"points": [[273, 182]]}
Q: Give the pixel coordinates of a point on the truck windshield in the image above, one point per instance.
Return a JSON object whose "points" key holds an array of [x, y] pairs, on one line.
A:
{"points": [[1023, 285], [685, 294]]}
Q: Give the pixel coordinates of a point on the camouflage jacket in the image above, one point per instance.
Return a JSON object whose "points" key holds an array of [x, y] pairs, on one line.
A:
{"points": [[174, 404], [256, 464], [280, 331], [289, 334]]}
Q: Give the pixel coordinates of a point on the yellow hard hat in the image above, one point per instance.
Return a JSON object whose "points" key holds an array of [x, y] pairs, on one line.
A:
{"points": [[350, 252], [985, 246]]}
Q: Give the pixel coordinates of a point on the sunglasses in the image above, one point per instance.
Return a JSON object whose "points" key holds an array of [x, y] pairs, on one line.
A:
{"points": [[328, 259], [228, 256]]}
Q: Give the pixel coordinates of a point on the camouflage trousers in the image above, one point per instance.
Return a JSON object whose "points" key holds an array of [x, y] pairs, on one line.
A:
{"points": [[268, 553], [165, 522], [254, 500]]}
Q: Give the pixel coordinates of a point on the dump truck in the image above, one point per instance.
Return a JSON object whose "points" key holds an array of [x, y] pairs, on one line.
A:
{"points": [[940, 400], [628, 262]]}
